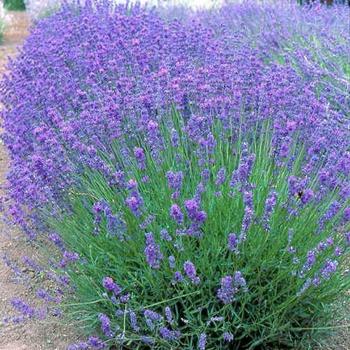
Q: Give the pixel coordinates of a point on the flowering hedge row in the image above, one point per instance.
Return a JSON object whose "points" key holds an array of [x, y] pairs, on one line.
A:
{"points": [[187, 169]]}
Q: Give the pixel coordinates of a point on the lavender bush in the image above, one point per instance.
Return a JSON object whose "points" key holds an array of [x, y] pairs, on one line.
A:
{"points": [[206, 238], [192, 172]]}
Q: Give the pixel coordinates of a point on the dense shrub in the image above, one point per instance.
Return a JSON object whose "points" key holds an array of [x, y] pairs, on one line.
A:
{"points": [[315, 43], [205, 239], [123, 123]]}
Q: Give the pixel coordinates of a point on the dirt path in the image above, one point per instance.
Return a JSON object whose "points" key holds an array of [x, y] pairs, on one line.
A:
{"points": [[20, 281]]}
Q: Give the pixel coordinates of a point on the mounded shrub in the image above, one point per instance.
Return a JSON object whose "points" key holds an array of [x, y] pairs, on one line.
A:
{"points": [[137, 137], [205, 239]]}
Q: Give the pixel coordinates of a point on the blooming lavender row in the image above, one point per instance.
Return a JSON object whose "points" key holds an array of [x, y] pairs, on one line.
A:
{"points": [[193, 186], [64, 105]]}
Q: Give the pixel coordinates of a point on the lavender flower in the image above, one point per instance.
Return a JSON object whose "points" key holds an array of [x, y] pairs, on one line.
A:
{"points": [[332, 210], [307, 196], [152, 318], [21, 306], [109, 284], [105, 325], [147, 340], [270, 204], [172, 261], [168, 334], [169, 315], [175, 138], [202, 341], [140, 157], [116, 226], [232, 242], [134, 202], [243, 171], [176, 213], [57, 240], [220, 177], [328, 269], [152, 252], [192, 207], [347, 238], [190, 271], [178, 277], [97, 210], [193, 211], [230, 285], [246, 222], [165, 235], [96, 343], [68, 258], [347, 214], [133, 321], [175, 180], [227, 290], [310, 261], [228, 337]]}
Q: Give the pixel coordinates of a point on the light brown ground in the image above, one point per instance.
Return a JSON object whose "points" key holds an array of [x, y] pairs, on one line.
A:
{"points": [[32, 335]]}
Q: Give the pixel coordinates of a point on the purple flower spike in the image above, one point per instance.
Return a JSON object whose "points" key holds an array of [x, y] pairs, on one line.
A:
{"points": [[227, 291], [168, 334], [192, 208], [133, 321], [152, 318], [347, 214], [178, 277], [106, 325], [140, 157], [328, 269], [152, 252], [111, 286], [232, 242], [21, 306], [347, 238], [168, 315], [176, 214], [220, 177], [307, 196], [202, 343], [230, 285], [228, 337], [96, 343], [175, 180], [194, 213], [191, 273], [134, 202]]}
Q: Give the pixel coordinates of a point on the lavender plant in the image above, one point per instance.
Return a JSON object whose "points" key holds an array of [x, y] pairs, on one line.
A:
{"points": [[191, 173], [61, 104], [207, 240]]}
